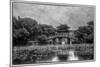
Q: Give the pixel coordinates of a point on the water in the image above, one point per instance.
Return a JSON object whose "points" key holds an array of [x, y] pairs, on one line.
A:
{"points": [[55, 58], [71, 56]]}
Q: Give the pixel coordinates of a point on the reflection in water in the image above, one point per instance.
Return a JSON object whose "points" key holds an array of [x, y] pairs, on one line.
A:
{"points": [[71, 56], [55, 58]]}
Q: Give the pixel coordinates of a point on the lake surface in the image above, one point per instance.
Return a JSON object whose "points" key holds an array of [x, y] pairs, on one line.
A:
{"points": [[71, 56], [59, 53]]}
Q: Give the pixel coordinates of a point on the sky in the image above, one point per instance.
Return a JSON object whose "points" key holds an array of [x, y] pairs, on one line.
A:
{"points": [[73, 16]]}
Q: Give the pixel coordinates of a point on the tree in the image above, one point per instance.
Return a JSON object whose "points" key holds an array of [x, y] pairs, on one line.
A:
{"points": [[31, 26], [42, 39], [85, 34], [23, 30], [46, 29]]}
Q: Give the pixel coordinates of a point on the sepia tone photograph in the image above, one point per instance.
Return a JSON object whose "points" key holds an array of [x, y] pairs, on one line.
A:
{"points": [[51, 33]]}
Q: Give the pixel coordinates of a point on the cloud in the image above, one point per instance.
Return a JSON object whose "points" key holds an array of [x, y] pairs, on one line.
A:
{"points": [[55, 15]]}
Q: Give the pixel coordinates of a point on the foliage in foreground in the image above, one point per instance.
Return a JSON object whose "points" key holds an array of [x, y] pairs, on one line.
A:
{"points": [[35, 54]]}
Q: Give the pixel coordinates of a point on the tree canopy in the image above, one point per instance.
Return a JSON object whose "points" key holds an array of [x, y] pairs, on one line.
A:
{"points": [[85, 34], [26, 29]]}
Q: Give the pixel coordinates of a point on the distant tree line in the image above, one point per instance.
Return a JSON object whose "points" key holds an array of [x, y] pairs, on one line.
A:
{"points": [[27, 29]]}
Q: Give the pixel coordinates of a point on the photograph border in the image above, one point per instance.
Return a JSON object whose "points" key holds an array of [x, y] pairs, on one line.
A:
{"points": [[53, 4]]}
